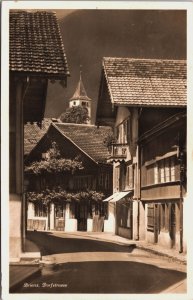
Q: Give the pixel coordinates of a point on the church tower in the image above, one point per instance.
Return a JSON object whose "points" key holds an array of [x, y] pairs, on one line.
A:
{"points": [[80, 98]]}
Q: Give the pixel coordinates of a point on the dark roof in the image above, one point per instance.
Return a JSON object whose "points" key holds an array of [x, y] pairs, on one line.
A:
{"points": [[33, 133], [146, 82], [89, 138], [36, 45], [80, 92]]}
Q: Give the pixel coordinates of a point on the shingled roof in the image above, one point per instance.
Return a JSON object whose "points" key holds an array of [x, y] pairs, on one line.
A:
{"points": [[36, 45], [88, 138], [33, 133], [146, 82]]}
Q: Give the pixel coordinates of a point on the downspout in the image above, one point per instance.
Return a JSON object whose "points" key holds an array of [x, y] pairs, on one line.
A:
{"points": [[137, 185], [138, 164], [24, 202], [181, 200]]}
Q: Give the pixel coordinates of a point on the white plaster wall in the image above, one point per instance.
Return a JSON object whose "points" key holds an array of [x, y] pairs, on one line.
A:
{"points": [[177, 245], [89, 224], [30, 211], [122, 114], [186, 221], [149, 237], [109, 224], [164, 239], [15, 241], [52, 223], [70, 225]]}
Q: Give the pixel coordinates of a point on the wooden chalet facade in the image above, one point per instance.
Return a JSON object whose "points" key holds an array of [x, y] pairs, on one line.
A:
{"points": [[82, 207], [145, 100], [36, 55]]}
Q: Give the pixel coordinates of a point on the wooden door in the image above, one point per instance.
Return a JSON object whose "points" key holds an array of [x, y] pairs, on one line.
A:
{"points": [[59, 217], [82, 216]]}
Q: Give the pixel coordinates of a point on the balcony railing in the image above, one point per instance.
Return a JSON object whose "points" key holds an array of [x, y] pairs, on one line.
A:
{"points": [[118, 152]]}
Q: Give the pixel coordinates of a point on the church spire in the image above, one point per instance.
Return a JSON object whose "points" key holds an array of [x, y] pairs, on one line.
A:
{"points": [[80, 92], [80, 96]]}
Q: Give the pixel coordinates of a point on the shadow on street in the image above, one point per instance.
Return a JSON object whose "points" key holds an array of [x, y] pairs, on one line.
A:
{"points": [[105, 277], [51, 244]]}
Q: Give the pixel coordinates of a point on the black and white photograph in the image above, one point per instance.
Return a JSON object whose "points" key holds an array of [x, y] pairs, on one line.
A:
{"points": [[97, 153]]}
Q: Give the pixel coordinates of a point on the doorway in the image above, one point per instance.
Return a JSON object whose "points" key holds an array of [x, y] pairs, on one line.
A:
{"points": [[59, 217], [82, 213]]}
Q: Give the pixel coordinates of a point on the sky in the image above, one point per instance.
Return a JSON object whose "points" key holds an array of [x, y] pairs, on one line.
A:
{"points": [[90, 35]]}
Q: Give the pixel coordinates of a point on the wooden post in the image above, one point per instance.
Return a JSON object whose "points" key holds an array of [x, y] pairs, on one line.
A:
{"points": [[19, 144], [19, 138]]}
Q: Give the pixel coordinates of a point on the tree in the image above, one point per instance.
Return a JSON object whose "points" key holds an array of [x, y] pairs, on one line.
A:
{"points": [[75, 114]]}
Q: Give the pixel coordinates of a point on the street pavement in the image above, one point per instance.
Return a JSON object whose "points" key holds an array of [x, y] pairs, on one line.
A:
{"points": [[80, 264]]}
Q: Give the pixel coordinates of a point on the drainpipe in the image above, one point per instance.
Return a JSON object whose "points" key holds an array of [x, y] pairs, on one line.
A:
{"points": [[137, 194], [21, 93], [181, 200]]}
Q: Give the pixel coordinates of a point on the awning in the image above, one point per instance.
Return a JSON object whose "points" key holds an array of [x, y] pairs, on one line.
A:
{"points": [[117, 196]]}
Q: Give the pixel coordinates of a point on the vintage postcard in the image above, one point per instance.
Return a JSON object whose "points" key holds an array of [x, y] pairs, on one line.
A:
{"points": [[96, 151]]}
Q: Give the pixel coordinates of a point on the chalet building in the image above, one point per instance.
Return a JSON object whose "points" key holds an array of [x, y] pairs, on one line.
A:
{"points": [[80, 98], [79, 205], [36, 55], [145, 101]]}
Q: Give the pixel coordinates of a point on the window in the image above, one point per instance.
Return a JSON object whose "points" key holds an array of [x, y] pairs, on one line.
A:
{"points": [[83, 103], [59, 211], [173, 177], [74, 103], [150, 217], [165, 170], [129, 176], [116, 174], [156, 173], [122, 132], [40, 210], [150, 175]]}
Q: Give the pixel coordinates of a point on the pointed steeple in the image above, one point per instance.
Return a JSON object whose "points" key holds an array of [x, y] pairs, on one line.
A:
{"points": [[80, 97], [80, 92]]}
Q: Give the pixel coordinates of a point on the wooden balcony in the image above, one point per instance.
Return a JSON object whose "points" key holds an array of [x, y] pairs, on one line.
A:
{"points": [[118, 152]]}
